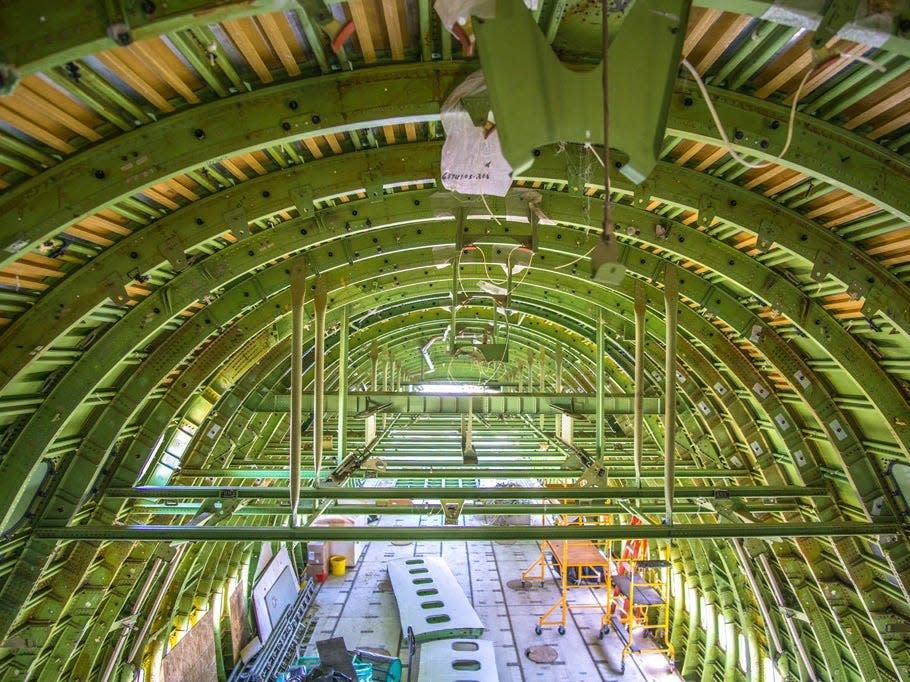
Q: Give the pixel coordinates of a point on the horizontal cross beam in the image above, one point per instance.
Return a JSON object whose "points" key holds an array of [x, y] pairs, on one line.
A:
{"points": [[591, 509], [412, 402], [413, 533], [472, 472], [249, 492]]}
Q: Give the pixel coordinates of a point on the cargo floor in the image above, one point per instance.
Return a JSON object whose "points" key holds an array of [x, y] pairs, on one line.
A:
{"points": [[361, 607]]}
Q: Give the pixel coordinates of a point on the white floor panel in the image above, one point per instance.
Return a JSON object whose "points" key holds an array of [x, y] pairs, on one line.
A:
{"points": [[361, 608]]}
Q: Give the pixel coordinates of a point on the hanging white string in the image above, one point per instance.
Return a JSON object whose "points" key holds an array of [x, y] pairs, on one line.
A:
{"points": [[792, 118]]}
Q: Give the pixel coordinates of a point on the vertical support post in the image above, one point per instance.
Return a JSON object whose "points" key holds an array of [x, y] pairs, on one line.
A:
{"points": [[770, 625], [530, 386], [791, 626], [137, 606], [135, 654], [467, 431], [319, 378], [542, 360], [298, 294], [217, 608], [599, 386], [370, 428], [641, 304], [558, 417], [343, 386], [671, 297], [456, 273]]}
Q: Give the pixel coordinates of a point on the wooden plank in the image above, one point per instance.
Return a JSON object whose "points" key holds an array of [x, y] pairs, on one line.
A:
{"points": [[711, 159], [313, 147], [52, 110], [234, 170], [237, 30], [253, 163], [24, 125], [278, 44], [689, 153], [160, 198], [890, 126], [831, 205], [578, 553], [192, 659], [115, 64], [21, 283], [719, 46], [146, 49], [862, 211], [388, 132], [26, 269], [784, 185], [393, 26], [332, 141], [698, 30], [96, 222], [86, 235], [177, 186], [877, 110], [822, 75], [362, 26]]}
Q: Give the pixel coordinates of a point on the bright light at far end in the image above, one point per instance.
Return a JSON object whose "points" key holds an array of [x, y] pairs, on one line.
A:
{"points": [[455, 388]]}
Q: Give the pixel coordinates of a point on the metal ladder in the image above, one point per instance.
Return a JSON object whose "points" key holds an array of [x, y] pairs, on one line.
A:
{"points": [[281, 647]]}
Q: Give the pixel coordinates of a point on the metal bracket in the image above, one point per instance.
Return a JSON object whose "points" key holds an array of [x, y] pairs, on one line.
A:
{"points": [[237, 222], [766, 233], [303, 199], [9, 79], [373, 185], [173, 251], [837, 14], [452, 510], [857, 290], [118, 29], [348, 251], [594, 476], [550, 103], [706, 210], [114, 288], [821, 267], [642, 194]]}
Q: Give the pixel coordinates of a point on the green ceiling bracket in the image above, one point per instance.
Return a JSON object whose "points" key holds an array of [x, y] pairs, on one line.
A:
{"points": [[836, 15], [537, 101]]}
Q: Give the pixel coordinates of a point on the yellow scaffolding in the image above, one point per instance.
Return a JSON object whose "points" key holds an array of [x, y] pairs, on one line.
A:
{"points": [[580, 564], [641, 601]]}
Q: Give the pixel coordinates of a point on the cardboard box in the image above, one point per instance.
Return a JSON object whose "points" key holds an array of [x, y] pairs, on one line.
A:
{"points": [[317, 553]]}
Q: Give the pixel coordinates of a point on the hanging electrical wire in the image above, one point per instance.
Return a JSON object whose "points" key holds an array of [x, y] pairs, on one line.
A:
{"points": [[791, 123]]}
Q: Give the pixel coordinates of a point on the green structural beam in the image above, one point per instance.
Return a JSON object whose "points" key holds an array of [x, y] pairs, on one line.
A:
{"points": [[860, 28], [227, 492], [550, 103], [522, 471], [397, 402], [190, 509], [40, 34], [689, 531]]}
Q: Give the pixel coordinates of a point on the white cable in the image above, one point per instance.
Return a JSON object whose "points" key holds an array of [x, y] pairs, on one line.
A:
{"points": [[720, 127], [483, 198], [792, 119], [590, 148], [573, 262]]}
